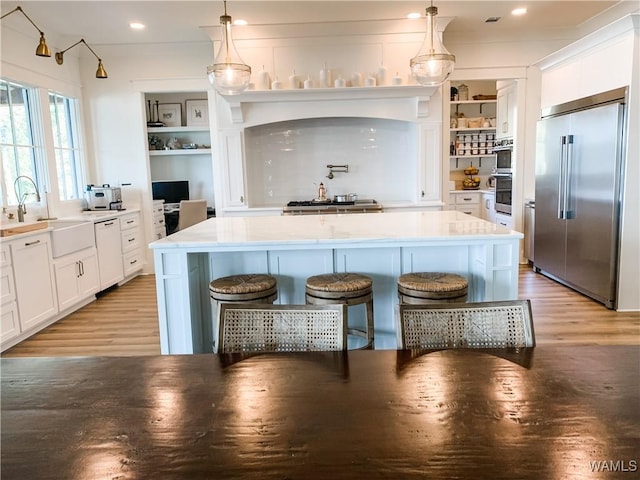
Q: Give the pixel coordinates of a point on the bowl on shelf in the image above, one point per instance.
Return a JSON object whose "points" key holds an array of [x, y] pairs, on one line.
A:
{"points": [[485, 97]]}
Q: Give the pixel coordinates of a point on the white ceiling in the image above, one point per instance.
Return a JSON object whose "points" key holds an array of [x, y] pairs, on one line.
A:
{"points": [[107, 22]]}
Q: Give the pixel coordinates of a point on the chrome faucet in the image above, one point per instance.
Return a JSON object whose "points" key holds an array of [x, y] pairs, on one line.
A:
{"points": [[21, 204]]}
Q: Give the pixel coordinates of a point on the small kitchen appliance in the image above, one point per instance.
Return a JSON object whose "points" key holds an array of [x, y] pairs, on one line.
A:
{"points": [[103, 197]]}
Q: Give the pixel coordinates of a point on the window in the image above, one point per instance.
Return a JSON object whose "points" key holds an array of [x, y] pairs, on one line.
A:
{"points": [[20, 147], [53, 159], [66, 145]]}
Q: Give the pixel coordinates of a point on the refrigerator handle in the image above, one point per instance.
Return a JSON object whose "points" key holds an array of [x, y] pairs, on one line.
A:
{"points": [[568, 214], [561, 177]]}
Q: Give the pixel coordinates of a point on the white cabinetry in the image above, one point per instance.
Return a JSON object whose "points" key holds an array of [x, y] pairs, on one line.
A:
{"points": [[504, 220], [233, 169], [109, 245], [465, 202], [131, 235], [488, 206], [76, 277], [159, 226], [506, 112], [10, 323], [34, 279]]}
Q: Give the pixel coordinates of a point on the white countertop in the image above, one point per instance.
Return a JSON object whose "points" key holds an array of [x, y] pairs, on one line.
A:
{"points": [[379, 228], [84, 216], [478, 190]]}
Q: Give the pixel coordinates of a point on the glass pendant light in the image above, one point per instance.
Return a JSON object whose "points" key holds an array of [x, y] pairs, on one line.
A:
{"points": [[433, 64], [228, 74]]}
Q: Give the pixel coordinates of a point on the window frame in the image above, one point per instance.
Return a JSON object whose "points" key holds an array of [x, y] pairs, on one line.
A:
{"points": [[44, 158], [37, 146], [72, 106]]}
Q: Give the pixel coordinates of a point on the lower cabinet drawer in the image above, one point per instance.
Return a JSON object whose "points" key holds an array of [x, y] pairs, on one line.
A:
{"points": [[10, 323], [159, 232], [467, 198], [132, 262], [131, 240], [469, 210]]}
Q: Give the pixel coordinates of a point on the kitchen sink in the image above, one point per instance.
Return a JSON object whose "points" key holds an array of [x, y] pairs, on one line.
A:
{"points": [[70, 236]]}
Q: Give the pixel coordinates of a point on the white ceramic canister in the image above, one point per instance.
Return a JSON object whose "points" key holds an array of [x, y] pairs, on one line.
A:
{"points": [[264, 80], [381, 75], [325, 77], [370, 81], [308, 83], [294, 80]]}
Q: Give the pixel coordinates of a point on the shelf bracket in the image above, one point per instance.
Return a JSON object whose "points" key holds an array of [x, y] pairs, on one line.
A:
{"points": [[235, 108], [422, 107]]}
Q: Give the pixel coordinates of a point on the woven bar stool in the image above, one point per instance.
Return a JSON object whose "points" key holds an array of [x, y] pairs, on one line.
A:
{"points": [[346, 289], [251, 288], [432, 287]]}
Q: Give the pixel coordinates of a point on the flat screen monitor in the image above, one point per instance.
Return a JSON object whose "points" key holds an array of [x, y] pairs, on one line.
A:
{"points": [[170, 192]]}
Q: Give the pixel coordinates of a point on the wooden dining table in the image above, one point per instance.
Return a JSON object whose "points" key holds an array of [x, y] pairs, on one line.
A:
{"points": [[551, 412]]}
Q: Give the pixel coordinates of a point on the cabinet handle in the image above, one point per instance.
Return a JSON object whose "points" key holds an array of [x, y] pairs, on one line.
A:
{"points": [[133, 262], [28, 244], [241, 198], [130, 221], [132, 239], [467, 199], [81, 268], [108, 224], [78, 274]]}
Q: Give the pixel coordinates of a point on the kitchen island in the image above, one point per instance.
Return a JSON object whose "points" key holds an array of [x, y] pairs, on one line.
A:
{"points": [[292, 248]]}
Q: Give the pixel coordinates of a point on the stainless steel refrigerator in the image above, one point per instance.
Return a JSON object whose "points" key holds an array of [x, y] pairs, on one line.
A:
{"points": [[579, 158]]}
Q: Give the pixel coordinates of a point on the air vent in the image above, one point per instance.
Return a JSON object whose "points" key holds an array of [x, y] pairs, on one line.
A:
{"points": [[492, 19]]}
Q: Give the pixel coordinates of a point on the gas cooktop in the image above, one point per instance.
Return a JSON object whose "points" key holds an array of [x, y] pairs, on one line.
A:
{"points": [[313, 203], [310, 207]]}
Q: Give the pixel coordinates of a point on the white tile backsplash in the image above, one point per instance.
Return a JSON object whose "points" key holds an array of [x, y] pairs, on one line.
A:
{"points": [[288, 160]]}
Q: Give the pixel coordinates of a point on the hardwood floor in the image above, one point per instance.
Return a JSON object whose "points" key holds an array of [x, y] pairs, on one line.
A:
{"points": [[124, 321]]}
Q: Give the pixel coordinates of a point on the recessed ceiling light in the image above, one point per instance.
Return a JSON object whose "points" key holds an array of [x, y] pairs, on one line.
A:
{"points": [[414, 15], [519, 11], [240, 22], [136, 25]]}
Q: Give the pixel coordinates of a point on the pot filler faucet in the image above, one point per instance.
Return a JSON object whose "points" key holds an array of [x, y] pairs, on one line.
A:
{"points": [[337, 169], [21, 207]]}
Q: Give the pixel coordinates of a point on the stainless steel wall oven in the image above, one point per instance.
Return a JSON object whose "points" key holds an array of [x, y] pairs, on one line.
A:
{"points": [[504, 156], [503, 192], [503, 174]]}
